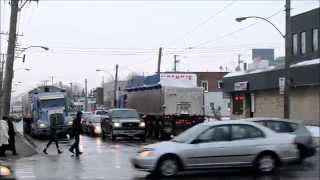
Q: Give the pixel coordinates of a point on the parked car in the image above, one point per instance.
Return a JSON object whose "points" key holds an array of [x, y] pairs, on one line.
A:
{"points": [[123, 123], [85, 121], [303, 136], [219, 144], [93, 125], [101, 112]]}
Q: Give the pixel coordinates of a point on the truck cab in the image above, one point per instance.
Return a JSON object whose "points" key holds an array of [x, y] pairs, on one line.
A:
{"points": [[49, 107]]}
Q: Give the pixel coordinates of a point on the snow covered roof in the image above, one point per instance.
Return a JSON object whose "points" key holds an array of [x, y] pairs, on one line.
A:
{"points": [[306, 63], [270, 68], [241, 73]]}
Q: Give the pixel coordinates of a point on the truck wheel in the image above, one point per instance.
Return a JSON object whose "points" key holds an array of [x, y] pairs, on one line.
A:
{"points": [[113, 137], [143, 138], [103, 134]]}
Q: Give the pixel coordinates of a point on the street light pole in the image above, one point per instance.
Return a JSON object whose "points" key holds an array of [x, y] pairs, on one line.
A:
{"points": [[115, 88], [288, 47]]}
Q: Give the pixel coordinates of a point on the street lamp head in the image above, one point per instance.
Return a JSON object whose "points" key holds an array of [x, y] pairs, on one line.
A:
{"points": [[45, 48], [27, 69], [239, 19], [99, 70]]}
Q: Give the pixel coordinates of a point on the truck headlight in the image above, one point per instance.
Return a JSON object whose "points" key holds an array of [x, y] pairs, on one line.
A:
{"points": [[43, 125], [146, 153], [97, 130], [4, 171], [70, 123], [142, 124], [116, 124]]}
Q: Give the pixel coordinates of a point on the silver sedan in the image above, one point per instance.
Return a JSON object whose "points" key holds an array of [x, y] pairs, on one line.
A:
{"points": [[219, 144]]}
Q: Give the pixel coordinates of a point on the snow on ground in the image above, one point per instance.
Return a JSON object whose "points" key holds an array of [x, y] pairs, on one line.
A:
{"points": [[315, 130]]}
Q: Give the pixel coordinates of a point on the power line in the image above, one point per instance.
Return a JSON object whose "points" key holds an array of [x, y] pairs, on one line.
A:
{"points": [[203, 22], [233, 32]]}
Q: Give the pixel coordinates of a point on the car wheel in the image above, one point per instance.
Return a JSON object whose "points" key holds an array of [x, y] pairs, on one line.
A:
{"points": [[168, 167], [266, 164]]}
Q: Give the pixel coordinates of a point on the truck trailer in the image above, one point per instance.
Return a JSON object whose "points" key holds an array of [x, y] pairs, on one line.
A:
{"points": [[166, 110]]}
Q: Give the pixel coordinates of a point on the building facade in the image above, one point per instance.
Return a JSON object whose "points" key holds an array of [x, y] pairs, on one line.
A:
{"points": [[259, 92]]}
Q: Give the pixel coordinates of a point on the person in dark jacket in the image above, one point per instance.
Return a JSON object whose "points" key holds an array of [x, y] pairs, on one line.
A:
{"points": [[76, 128], [11, 132], [53, 136]]}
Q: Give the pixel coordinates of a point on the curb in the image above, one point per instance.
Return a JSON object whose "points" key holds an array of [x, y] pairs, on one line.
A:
{"points": [[28, 139]]}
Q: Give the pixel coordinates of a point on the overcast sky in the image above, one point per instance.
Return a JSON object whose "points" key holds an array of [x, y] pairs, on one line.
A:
{"points": [[86, 35]]}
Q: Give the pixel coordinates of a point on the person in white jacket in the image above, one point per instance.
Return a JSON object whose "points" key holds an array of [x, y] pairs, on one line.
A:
{"points": [[4, 137]]}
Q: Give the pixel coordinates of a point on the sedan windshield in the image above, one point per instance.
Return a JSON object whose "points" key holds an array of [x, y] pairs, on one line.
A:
{"points": [[124, 114], [190, 133]]}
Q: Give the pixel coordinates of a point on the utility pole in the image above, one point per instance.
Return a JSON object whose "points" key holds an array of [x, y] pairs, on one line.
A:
{"points": [[71, 93], [85, 95], [51, 80], [288, 45], [7, 85], [115, 88], [159, 60], [175, 62]]}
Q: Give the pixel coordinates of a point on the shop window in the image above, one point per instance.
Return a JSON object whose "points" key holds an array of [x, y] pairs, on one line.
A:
{"points": [[204, 84], [295, 44], [303, 42], [315, 39], [237, 103]]}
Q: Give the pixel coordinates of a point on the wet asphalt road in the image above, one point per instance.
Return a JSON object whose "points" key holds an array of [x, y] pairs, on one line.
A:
{"points": [[111, 160]]}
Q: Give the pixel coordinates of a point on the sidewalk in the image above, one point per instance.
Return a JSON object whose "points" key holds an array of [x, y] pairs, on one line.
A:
{"points": [[24, 148]]}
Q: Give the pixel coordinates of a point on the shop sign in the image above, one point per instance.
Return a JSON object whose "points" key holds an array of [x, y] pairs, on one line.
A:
{"points": [[282, 84], [241, 86]]}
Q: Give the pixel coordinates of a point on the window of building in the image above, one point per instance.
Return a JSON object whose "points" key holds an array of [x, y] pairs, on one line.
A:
{"points": [[237, 104], [204, 84], [315, 39], [303, 42], [295, 44]]}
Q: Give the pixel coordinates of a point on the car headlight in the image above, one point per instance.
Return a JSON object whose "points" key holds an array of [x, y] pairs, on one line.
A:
{"points": [[142, 124], [4, 171], [146, 153], [116, 124], [43, 125], [70, 123]]}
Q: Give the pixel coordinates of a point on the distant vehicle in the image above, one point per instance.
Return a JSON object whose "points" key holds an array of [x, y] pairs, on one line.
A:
{"points": [[219, 144], [101, 112], [303, 139], [6, 172], [85, 121], [44, 108], [167, 110], [123, 123], [93, 125]]}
